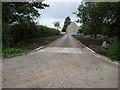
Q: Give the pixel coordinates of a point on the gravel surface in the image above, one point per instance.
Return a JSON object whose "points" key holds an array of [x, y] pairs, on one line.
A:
{"points": [[63, 63]]}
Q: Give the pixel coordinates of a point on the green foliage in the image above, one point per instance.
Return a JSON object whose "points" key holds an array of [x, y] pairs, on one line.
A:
{"points": [[17, 11], [18, 22], [114, 51], [85, 29], [46, 31], [6, 34], [12, 51], [101, 17], [57, 24], [18, 45], [66, 23], [18, 25], [103, 38], [39, 31]]}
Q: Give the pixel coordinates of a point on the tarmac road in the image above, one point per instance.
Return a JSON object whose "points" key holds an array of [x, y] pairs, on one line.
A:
{"points": [[63, 63]]}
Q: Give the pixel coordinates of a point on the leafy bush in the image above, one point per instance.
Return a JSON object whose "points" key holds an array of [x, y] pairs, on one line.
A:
{"points": [[12, 51], [114, 51], [102, 38], [22, 32], [46, 31], [7, 37], [85, 29]]}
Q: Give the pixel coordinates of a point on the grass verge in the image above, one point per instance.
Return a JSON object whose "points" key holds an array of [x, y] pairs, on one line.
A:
{"points": [[12, 51]]}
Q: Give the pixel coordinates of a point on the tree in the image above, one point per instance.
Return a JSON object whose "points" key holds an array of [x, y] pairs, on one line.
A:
{"points": [[18, 21], [102, 18], [89, 14], [99, 15], [17, 11], [66, 23], [57, 24], [85, 29]]}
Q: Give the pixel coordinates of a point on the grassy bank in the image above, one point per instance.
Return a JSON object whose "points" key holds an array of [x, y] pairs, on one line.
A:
{"points": [[30, 45], [96, 44]]}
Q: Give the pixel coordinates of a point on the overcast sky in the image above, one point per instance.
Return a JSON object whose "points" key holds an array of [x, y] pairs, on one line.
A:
{"points": [[58, 11]]}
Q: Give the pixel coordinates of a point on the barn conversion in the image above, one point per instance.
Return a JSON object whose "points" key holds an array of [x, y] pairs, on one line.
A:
{"points": [[72, 29]]}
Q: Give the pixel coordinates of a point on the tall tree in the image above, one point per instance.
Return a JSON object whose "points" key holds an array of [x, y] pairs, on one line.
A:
{"points": [[66, 23], [16, 11], [18, 21], [99, 16], [102, 18]]}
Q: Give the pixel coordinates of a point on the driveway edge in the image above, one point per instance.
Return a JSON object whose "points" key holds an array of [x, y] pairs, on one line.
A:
{"points": [[20, 54], [102, 56], [98, 55]]}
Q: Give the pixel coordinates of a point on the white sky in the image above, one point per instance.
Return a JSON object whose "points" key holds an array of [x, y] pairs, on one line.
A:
{"points": [[58, 11], [62, 0]]}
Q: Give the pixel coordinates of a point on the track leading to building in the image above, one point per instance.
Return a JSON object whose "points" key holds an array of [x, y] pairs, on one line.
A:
{"points": [[63, 63]]}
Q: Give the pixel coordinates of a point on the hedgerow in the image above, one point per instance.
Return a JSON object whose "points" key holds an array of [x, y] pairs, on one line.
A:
{"points": [[47, 31]]}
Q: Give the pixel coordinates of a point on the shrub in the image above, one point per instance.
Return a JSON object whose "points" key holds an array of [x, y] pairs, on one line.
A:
{"points": [[46, 31], [114, 51], [103, 38], [85, 29]]}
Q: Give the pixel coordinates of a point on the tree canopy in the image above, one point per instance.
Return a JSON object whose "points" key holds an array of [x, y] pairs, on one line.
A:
{"points": [[57, 24], [17, 11], [66, 23], [101, 17], [18, 21]]}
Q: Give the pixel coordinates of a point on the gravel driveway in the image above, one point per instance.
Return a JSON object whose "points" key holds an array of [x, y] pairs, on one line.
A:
{"points": [[63, 63]]}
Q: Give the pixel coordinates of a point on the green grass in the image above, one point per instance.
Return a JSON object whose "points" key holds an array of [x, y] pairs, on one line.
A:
{"points": [[12, 51]]}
